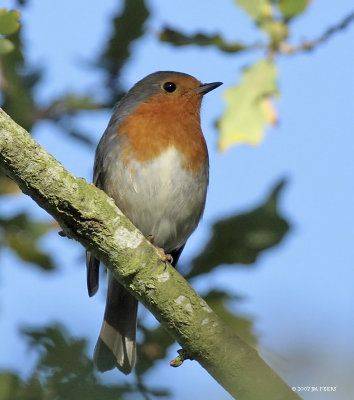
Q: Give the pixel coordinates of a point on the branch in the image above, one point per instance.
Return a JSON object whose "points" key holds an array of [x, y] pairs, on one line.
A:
{"points": [[309, 45], [89, 216]]}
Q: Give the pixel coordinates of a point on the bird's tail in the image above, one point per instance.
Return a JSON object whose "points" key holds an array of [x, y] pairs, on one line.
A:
{"points": [[116, 345]]}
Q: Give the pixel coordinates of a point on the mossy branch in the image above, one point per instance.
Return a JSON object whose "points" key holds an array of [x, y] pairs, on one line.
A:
{"points": [[89, 216]]}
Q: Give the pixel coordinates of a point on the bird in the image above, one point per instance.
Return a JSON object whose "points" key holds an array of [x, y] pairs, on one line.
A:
{"points": [[153, 161]]}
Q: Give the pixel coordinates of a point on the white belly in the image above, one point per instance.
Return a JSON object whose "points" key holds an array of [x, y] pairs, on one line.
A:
{"points": [[160, 197]]}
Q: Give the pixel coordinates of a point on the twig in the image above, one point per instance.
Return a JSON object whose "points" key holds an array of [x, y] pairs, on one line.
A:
{"points": [[182, 356], [309, 45]]}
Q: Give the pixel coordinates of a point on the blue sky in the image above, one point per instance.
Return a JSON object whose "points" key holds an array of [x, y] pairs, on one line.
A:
{"points": [[300, 293]]}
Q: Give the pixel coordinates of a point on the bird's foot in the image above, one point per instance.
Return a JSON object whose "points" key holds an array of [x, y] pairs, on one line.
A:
{"points": [[164, 257]]}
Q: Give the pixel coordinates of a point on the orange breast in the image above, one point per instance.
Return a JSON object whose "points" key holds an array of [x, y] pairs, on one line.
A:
{"points": [[164, 121]]}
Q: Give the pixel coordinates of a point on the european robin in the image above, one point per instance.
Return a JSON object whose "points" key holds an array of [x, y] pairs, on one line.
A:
{"points": [[153, 161]]}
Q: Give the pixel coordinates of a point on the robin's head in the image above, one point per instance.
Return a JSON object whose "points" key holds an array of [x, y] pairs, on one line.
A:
{"points": [[167, 87], [170, 83]]}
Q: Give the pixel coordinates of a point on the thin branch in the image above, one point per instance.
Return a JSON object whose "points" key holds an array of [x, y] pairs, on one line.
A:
{"points": [[89, 216], [308, 45]]}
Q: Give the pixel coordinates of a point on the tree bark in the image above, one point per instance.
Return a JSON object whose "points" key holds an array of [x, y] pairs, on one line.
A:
{"points": [[89, 216]]}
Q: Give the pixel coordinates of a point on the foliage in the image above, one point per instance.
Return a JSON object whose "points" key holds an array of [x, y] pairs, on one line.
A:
{"points": [[21, 234], [291, 9], [9, 24], [241, 238], [128, 26], [19, 82], [63, 371], [249, 106], [220, 302]]}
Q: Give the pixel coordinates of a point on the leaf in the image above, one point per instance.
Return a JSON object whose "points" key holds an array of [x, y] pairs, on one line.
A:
{"points": [[21, 234], [9, 21], [13, 388], [9, 385], [6, 46], [269, 111], [245, 116], [243, 326], [241, 238], [73, 103], [60, 351], [70, 104], [262, 13], [291, 8], [18, 82], [179, 39], [68, 373], [127, 27], [8, 25], [277, 30], [257, 9]]}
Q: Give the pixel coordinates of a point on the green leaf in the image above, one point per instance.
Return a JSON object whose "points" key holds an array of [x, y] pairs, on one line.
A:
{"points": [[68, 373], [17, 85], [291, 8], [262, 13], [70, 104], [257, 9], [179, 39], [9, 385], [241, 238], [21, 234], [12, 387], [9, 21], [277, 30], [6, 46], [128, 26], [248, 107], [74, 103], [241, 324]]}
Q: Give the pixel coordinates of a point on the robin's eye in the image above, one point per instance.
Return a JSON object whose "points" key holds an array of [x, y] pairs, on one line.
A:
{"points": [[169, 87]]}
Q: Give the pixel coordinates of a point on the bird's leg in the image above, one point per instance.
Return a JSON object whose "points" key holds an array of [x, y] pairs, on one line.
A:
{"points": [[151, 238], [164, 257]]}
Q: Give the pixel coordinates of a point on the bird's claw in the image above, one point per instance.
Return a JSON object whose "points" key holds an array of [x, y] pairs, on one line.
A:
{"points": [[164, 257]]}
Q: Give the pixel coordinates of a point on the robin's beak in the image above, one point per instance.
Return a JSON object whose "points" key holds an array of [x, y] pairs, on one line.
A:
{"points": [[207, 87]]}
